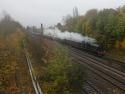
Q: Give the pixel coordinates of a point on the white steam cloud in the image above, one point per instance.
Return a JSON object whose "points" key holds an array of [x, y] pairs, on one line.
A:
{"points": [[56, 33]]}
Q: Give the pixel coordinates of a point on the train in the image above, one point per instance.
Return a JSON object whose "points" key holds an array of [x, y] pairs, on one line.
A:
{"points": [[91, 47]]}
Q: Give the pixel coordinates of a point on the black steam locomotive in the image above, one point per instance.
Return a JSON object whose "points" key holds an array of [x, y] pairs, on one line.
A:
{"points": [[91, 47], [87, 46]]}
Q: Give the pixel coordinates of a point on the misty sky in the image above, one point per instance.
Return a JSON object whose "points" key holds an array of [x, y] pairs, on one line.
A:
{"points": [[49, 12]]}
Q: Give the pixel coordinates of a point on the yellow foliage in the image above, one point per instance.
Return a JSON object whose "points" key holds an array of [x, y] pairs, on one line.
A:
{"points": [[2, 42], [15, 39], [120, 44], [123, 44]]}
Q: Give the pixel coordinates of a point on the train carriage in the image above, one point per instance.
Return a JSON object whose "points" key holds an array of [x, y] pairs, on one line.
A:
{"points": [[91, 47]]}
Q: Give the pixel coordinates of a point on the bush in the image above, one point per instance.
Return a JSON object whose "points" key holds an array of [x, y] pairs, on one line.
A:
{"points": [[62, 76]]}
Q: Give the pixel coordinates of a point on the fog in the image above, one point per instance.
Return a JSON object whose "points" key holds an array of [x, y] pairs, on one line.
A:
{"points": [[49, 12], [56, 33]]}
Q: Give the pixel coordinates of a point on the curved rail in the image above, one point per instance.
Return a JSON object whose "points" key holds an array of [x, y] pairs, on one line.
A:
{"points": [[111, 75]]}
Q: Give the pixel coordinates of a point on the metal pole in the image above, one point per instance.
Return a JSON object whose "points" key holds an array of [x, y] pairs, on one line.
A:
{"points": [[42, 29]]}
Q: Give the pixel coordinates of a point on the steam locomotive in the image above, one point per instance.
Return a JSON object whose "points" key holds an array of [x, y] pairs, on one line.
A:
{"points": [[86, 46], [91, 47]]}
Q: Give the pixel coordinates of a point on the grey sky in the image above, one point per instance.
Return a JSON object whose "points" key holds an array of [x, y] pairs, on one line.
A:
{"points": [[49, 12]]}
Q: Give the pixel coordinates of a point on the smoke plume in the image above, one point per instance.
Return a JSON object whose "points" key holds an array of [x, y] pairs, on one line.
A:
{"points": [[56, 33]]}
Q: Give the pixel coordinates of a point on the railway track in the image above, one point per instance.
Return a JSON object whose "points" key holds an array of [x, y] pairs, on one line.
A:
{"points": [[33, 77], [118, 73], [114, 77], [119, 63], [89, 88], [116, 64]]}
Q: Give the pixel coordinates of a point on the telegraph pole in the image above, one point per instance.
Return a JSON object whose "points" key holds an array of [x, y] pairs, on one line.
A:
{"points": [[42, 29]]}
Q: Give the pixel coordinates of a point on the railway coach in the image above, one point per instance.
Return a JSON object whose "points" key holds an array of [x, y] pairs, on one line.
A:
{"points": [[87, 46]]}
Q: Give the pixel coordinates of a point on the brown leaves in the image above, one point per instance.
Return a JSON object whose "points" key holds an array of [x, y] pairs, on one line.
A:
{"points": [[15, 39]]}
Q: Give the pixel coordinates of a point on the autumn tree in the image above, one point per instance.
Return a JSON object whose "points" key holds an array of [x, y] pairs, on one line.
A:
{"points": [[107, 26]]}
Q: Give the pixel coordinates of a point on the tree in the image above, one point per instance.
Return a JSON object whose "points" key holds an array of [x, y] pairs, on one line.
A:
{"points": [[11, 37], [60, 26], [62, 76], [107, 26]]}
